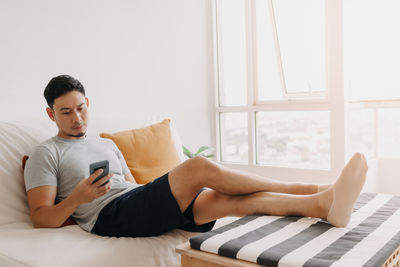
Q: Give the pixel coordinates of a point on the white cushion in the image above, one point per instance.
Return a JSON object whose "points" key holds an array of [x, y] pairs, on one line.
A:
{"points": [[16, 140], [71, 246]]}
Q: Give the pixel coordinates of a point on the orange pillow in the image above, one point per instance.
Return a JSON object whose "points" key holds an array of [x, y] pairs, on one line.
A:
{"points": [[149, 152]]}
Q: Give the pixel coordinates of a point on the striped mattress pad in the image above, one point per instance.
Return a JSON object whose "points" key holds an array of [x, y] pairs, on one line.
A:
{"points": [[370, 238]]}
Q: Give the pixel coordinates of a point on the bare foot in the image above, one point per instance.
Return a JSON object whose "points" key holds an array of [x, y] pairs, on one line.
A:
{"points": [[324, 187], [346, 190]]}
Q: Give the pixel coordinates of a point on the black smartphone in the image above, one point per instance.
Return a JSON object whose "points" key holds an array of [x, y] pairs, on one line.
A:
{"points": [[99, 165]]}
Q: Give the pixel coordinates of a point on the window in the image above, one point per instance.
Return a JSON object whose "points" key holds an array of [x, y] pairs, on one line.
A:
{"points": [[293, 139], [290, 41], [234, 140], [303, 84], [372, 83], [276, 107]]}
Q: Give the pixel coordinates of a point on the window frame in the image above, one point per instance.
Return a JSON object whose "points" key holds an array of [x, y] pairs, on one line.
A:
{"points": [[375, 106], [333, 100]]}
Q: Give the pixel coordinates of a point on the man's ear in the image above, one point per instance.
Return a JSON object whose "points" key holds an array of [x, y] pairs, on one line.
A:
{"points": [[87, 101], [50, 113]]}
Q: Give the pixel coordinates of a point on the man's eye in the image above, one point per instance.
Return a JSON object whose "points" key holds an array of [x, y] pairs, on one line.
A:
{"points": [[66, 113]]}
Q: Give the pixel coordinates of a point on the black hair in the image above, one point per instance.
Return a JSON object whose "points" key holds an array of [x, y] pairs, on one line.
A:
{"points": [[60, 85]]}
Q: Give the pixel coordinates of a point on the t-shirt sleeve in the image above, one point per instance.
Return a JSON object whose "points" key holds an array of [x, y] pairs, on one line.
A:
{"points": [[40, 169]]}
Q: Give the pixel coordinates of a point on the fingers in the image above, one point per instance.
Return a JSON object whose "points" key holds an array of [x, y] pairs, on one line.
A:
{"points": [[101, 190], [87, 191], [94, 175], [92, 178], [103, 181]]}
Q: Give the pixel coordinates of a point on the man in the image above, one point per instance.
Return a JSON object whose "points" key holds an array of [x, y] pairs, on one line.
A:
{"points": [[58, 184]]}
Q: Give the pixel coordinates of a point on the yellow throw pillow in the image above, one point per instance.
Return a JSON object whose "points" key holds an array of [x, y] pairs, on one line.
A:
{"points": [[149, 152]]}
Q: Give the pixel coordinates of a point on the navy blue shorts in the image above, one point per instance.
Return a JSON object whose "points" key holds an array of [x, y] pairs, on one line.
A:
{"points": [[147, 210]]}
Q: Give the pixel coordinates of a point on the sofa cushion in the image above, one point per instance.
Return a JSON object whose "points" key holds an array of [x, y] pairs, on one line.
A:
{"points": [[16, 140], [149, 152], [71, 246]]}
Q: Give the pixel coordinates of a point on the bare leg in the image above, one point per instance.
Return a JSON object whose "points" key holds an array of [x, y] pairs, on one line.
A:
{"points": [[189, 177], [230, 198], [211, 205], [235, 182]]}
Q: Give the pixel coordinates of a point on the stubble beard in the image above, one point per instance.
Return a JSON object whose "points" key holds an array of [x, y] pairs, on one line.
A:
{"points": [[76, 135]]}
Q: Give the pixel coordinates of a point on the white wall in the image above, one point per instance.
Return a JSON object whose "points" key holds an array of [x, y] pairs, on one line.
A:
{"points": [[134, 57]]}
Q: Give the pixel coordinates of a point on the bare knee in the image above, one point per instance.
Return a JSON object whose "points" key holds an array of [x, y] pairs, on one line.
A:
{"points": [[198, 161], [194, 174], [203, 169]]}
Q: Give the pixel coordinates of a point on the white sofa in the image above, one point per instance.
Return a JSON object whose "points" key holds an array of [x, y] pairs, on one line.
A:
{"points": [[22, 245]]}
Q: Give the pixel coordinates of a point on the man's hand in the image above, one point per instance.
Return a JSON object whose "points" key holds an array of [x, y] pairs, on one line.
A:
{"points": [[86, 192]]}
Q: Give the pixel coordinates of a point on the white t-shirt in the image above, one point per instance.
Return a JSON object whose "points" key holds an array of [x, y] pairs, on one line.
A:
{"points": [[64, 163]]}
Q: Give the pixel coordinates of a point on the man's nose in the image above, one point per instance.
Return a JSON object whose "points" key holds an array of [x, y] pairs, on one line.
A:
{"points": [[76, 117]]}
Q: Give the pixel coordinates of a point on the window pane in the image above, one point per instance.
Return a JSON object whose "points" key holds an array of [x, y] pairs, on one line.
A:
{"points": [[371, 49], [299, 139], [269, 79], [361, 132], [234, 142], [233, 78], [301, 34], [389, 132]]}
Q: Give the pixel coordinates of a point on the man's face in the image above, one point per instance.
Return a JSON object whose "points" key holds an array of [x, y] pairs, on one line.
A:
{"points": [[70, 112]]}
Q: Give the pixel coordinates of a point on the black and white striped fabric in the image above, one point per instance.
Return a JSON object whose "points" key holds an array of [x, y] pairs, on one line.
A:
{"points": [[372, 235]]}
